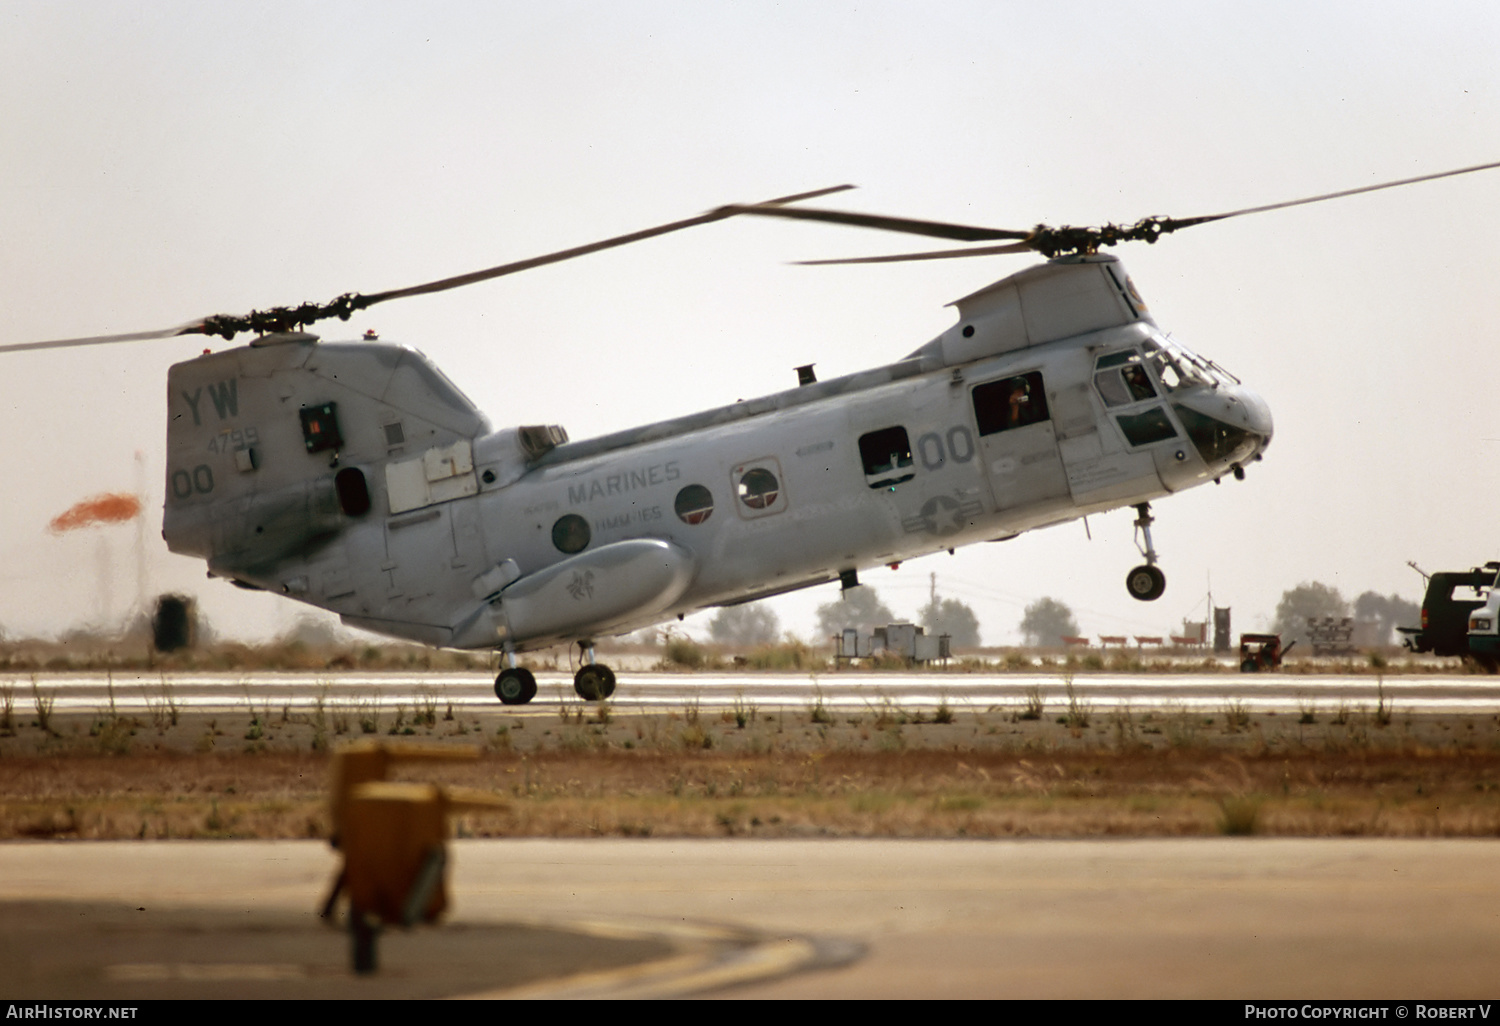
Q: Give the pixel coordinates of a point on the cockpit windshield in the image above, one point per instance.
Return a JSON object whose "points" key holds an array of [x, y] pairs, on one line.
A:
{"points": [[1178, 367]]}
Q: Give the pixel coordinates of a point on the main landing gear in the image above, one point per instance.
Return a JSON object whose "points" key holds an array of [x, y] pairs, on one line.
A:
{"points": [[594, 682], [1145, 583], [516, 685]]}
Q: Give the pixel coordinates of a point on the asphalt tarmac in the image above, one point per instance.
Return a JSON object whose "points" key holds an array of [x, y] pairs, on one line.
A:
{"points": [[642, 691], [1196, 918]]}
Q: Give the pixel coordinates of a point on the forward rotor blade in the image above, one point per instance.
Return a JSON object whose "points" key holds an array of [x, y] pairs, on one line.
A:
{"points": [[1055, 242], [911, 226], [191, 328], [1172, 224], [942, 254], [717, 214]]}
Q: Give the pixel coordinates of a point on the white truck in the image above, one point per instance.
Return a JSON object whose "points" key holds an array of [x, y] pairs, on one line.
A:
{"points": [[1484, 632]]}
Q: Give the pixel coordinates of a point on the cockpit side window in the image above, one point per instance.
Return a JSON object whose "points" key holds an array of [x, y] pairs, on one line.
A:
{"points": [[1121, 379], [1149, 426]]}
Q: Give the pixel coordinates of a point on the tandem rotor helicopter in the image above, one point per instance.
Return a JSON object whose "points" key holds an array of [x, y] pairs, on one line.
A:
{"points": [[354, 476]]}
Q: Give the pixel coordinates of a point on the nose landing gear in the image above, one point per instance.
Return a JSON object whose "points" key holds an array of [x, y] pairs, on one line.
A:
{"points": [[1145, 583]]}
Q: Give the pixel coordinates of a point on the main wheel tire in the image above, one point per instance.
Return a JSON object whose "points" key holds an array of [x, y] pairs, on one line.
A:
{"points": [[515, 686], [594, 682], [1146, 583]]}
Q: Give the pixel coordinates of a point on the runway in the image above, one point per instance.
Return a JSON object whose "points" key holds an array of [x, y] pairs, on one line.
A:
{"points": [[1229, 918], [655, 692], [1376, 920]]}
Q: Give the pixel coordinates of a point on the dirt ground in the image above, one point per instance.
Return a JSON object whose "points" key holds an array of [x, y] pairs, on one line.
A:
{"points": [[591, 771]]}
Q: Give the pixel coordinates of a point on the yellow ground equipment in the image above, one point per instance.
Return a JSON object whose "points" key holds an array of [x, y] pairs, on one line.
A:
{"points": [[393, 838]]}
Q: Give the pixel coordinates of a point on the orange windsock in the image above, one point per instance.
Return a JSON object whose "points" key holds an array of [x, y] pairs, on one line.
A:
{"points": [[113, 508]]}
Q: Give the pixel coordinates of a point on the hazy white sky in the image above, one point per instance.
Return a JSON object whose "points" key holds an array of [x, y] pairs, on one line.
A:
{"points": [[162, 161]]}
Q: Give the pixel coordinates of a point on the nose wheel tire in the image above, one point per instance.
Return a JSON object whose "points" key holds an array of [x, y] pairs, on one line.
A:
{"points": [[1146, 583], [515, 686], [594, 682]]}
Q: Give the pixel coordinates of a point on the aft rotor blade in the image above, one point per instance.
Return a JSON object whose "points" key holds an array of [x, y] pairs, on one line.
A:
{"points": [[473, 277], [942, 254], [283, 318], [191, 328], [911, 226]]}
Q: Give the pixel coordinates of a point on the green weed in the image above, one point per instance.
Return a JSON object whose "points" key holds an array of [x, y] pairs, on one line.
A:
{"points": [[1239, 816], [944, 713], [744, 713], [1079, 711], [1307, 712], [43, 704], [1384, 711]]}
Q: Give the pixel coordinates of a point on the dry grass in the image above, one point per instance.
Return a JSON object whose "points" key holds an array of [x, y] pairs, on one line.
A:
{"points": [[776, 773], [94, 654], [319, 650]]}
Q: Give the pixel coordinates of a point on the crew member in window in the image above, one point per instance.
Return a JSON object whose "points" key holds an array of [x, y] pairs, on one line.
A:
{"points": [[1138, 382], [1015, 404], [1018, 406]]}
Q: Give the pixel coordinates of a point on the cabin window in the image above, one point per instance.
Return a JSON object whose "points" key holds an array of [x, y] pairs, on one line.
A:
{"points": [[759, 488], [320, 427], [353, 491], [571, 533], [695, 504], [887, 457], [1010, 403], [1146, 427]]}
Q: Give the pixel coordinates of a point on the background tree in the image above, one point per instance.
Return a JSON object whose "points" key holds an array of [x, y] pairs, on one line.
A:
{"points": [[170, 622], [314, 632], [1047, 622], [646, 637], [1308, 600], [952, 617], [752, 624], [1389, 611], [859, 608]]}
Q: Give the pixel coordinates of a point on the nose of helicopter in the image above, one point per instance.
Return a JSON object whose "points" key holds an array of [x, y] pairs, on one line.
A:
{"points": [[1256, 413], [1230, 425]]}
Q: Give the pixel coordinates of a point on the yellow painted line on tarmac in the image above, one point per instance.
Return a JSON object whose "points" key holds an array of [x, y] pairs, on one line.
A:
{"points": [[204, 972], [725, 958]]}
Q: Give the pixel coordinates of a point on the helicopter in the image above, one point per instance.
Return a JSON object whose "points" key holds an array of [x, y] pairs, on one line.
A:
{"points": [[356, 477]]}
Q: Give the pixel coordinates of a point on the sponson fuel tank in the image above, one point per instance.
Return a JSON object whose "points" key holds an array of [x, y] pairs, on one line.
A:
{"points": [[595, 590]]}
